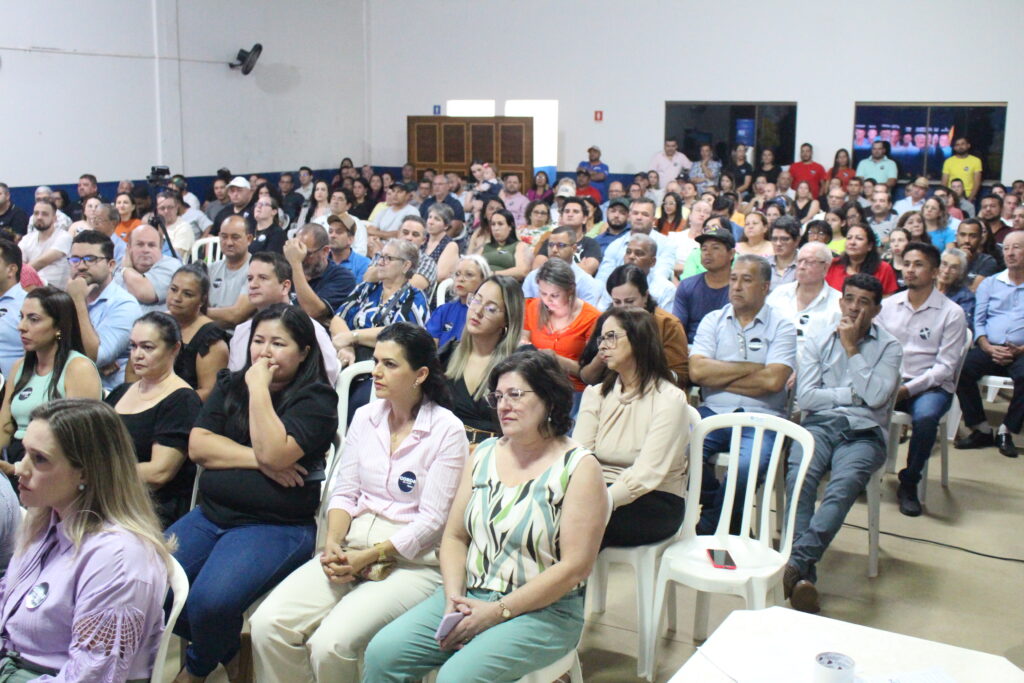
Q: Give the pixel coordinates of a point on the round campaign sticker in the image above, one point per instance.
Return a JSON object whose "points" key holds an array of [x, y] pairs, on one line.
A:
{"points": [[406, 481], [37, 595], [755, 344], [25, 393], [218, 282], [925, 333], [804, 319], [261, 238]]}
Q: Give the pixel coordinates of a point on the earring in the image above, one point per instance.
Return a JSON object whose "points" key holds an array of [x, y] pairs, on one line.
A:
{"points": [[81, 487], [58, 335]]}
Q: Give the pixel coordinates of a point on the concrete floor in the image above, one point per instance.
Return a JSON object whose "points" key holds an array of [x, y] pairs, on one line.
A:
{"points": [[922, 590]]}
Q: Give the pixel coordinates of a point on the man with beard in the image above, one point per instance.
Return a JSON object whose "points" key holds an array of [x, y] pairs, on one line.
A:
{"points": [[46, 247], [617, 219], [321, 285]]}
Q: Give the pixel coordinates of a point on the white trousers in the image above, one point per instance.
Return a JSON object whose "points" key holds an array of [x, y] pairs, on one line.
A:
{"points": [[309, 629]]}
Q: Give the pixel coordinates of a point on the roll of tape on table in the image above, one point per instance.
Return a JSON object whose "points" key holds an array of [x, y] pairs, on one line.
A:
{"points": [[833, 667]]}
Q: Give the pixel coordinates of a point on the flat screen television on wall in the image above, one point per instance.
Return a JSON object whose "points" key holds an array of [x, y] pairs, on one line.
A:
{"points": [[920, 137]]}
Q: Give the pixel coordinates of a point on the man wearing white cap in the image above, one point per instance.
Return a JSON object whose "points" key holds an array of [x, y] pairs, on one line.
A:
{"points": [[241, 198], [598, 171]]}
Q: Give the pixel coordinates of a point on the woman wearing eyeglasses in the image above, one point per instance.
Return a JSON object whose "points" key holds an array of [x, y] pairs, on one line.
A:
{"points": [[558, 322], [372, 306], [494, 324], [521, 539], [269, 236], [447, 320], [637, 425]]}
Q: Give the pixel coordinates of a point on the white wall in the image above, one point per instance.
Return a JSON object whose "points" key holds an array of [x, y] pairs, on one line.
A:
{"points": [[629, 58], [114, 86]]}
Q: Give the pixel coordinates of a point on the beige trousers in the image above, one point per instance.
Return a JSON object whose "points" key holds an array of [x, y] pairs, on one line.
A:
{"points": [[309, 629]]}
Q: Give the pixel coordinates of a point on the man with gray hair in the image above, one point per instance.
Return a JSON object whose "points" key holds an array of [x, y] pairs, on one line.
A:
{"points": [[321, 285], [808, 302], [742, 357], [642, 252]]}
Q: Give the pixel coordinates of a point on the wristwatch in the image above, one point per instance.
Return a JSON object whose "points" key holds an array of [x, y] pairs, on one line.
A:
{"points": [[506, 613]]}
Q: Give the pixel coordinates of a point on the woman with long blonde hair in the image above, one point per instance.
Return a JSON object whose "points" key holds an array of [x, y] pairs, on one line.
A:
{"points": [[84, 593]]}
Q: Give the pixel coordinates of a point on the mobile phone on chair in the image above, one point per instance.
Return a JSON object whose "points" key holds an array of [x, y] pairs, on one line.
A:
{"points": [[721, 559]]}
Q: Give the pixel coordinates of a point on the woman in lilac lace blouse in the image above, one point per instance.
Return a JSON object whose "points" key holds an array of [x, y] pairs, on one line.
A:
{"points": [[83, 597]]}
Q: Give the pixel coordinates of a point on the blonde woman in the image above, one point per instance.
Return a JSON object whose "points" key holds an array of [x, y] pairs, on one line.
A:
{"points": [[84, 593]]}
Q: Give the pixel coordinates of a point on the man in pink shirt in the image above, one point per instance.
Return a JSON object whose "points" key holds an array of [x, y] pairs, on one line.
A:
{"points": [[670, 162], [515, 201], [809, 170]]}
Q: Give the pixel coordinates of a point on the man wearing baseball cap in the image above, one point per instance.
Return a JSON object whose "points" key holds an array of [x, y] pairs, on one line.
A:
{"points": [[241, 200], [702, 293], [386, 225], [598, 171]]}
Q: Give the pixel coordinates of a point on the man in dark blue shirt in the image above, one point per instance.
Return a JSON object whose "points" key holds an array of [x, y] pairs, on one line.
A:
{"points": [[441, 192], [320, 284], [618, 223], [700, 294]]}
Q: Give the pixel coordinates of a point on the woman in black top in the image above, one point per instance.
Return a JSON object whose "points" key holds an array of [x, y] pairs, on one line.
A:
{"points": [[159, 410], [494, 324], [269, 235], [767, 167], [363, 206], [204, 350], [263, 437]]}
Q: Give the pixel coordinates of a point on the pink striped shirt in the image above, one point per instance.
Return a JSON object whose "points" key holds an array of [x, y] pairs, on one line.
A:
{"points": [[415, 486]]}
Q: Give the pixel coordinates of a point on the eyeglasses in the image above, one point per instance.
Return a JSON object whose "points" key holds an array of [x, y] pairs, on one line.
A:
{"points": [[489, 309], [386, 258], [610, 339], [89, 260], [513, 396], [809, 261], [559, 245]]}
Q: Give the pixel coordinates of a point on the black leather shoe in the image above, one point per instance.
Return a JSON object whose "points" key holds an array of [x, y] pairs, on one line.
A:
{"points": [[976, 439], [805, 597], [789, 579], [909, 503], [1006, 447]]}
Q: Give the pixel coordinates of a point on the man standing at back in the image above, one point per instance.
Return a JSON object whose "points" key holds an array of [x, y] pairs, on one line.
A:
{"points": [[670, 162], [963, 166], [878, 166], [598, 172], [809, 171], [932, 330]]}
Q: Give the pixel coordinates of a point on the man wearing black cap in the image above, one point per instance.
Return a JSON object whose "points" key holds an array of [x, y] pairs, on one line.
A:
{"points": [[700, 294], [584, 188], [397, 198], [617, 217]]}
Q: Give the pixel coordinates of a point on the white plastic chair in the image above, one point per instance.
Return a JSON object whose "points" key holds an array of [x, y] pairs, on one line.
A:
{"points": [[209, 247], [992, 384], [179, 592], [441, 292], [644, 560], [899, 418], [759, 565], [343, 387]]}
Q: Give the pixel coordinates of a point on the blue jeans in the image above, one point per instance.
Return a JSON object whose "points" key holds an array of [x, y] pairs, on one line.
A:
{"points": [[712, 492], [228, 569], [925, 411], [405, 649], [852, 455]]}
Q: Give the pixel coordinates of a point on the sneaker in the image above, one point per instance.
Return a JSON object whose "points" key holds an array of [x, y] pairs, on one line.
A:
{"points": [[909, 503], [976, 439]]}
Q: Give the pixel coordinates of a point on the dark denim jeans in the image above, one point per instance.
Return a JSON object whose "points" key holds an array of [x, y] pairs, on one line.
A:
{"points": [[228, 570], [925, 409]]}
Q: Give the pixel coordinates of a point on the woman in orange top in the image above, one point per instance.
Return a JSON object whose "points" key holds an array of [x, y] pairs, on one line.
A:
{"points": [[125, 206], [671, 218], [559, 323]]}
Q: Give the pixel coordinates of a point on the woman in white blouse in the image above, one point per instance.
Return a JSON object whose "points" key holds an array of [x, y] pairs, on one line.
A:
{"points": [[636, 423], [400, 467]]}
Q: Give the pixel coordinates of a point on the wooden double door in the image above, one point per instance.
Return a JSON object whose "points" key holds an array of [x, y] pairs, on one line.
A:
{"points": [[452, 143]]}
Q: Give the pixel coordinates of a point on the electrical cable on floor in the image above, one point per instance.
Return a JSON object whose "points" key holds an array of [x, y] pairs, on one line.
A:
{"points": [[940, 544]]}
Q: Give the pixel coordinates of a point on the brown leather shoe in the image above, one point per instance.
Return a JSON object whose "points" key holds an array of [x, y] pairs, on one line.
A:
{"points": [[789, 579], [805, 597]]}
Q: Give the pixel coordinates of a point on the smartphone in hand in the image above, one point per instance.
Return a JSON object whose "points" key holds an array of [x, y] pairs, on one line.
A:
{"points": [[447, 624]]}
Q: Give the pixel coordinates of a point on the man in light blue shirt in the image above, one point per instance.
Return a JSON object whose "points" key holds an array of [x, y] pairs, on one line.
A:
{"points": [[562, 245], [642, 252], [999, 350], [878, 167], [10, 307], [641, 220], [106, 312], [741, 357]]}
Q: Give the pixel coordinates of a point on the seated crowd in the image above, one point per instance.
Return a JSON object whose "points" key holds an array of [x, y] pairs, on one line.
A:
{"points": [[533, 356]]}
